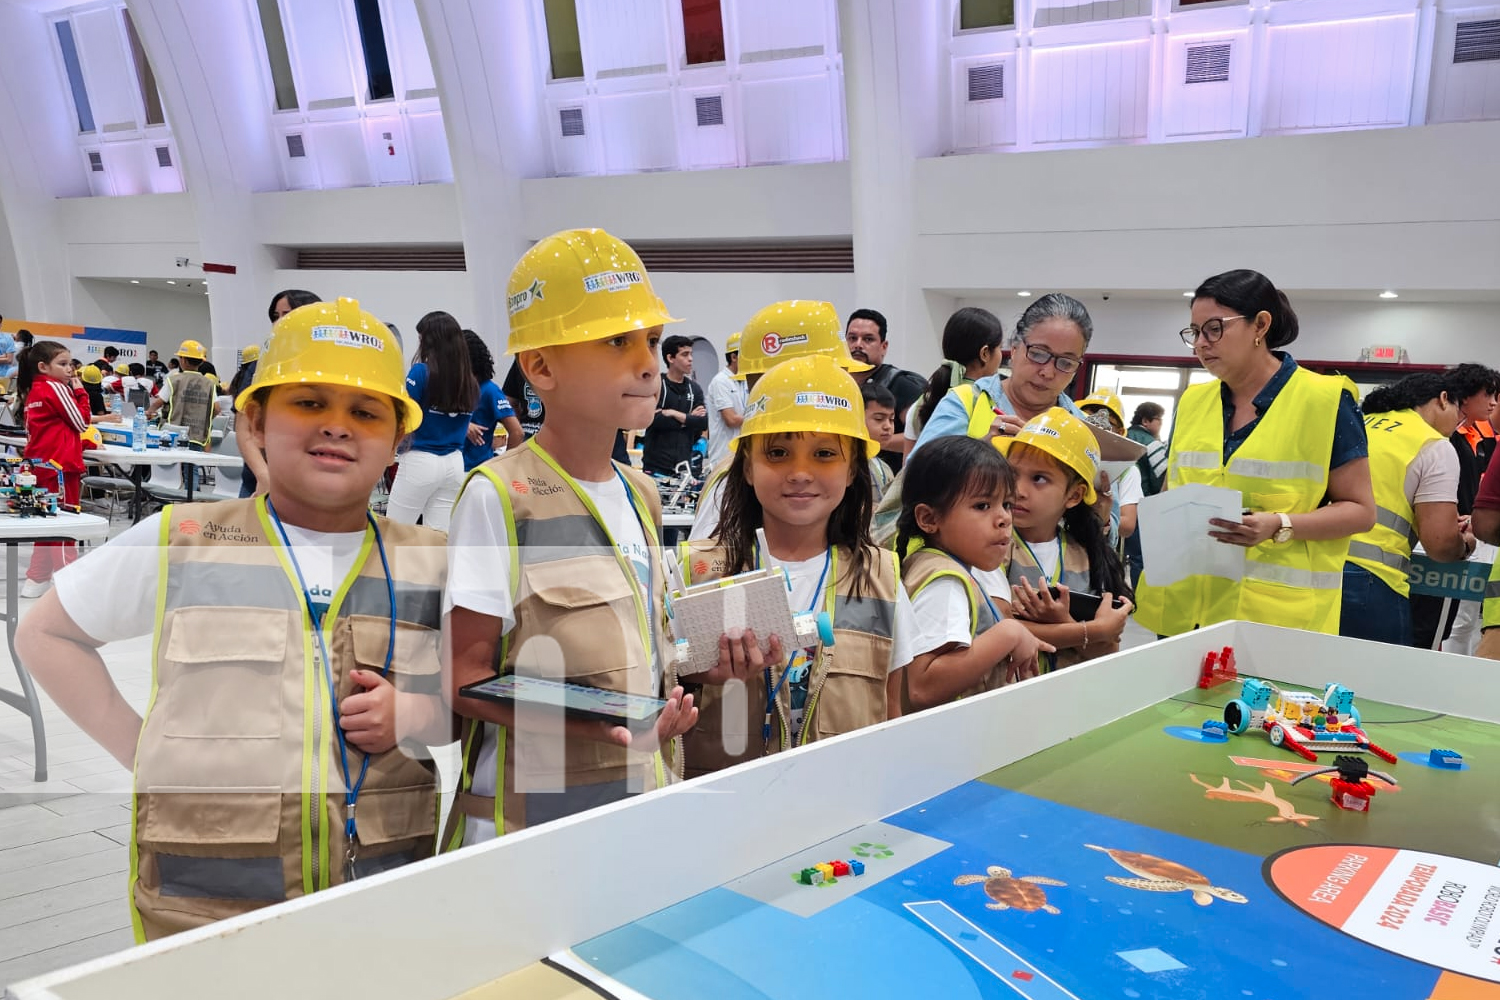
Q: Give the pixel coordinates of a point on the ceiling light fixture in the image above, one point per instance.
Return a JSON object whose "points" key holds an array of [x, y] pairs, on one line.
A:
{"points": [[1187, 295], [135, 281], [1024, 295], [1388, 294], [171, 282]]}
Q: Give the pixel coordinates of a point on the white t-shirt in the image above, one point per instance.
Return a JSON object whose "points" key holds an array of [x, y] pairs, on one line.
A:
{"points": [[804, 578], [706, 519], [1048, 555], [1127, 489], [725, 392], [479, 579], [942, 612], [111, 592]]}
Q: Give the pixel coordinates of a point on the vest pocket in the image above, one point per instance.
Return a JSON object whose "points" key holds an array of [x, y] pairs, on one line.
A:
{"points": [[587, 605], [414, 662], [388, 815], [853, 696], [220, 673], [213, 844]]}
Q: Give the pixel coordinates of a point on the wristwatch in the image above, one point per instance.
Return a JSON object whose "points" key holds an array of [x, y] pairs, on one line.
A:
{"points": [[1283, 533]]}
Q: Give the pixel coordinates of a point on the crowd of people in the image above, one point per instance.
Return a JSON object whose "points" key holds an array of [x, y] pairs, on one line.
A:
{"points": [[950, 527]]}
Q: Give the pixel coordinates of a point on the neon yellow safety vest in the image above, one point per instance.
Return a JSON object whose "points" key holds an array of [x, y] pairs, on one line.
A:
{"points": [[1490, 610], [1281, 467], [1385, 550], [979, 406]]}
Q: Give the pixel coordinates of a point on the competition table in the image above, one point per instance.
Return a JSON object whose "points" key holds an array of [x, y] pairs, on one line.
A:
{"points": [[1065, 837], [15, 532], [139, 462]]}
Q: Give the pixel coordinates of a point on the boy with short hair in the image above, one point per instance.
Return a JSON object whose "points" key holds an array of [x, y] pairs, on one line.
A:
{"points": [[880, 420], [554, 561]]}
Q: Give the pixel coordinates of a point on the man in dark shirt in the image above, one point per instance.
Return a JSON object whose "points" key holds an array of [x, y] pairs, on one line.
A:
{"points": [[530, 410], [156, 369], [681, 413], [865, 333]]}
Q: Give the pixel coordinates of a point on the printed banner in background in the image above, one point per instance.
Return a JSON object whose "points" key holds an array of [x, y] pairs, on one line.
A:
{"points": [[85, 342], [1427, 907], [1459, 581]]}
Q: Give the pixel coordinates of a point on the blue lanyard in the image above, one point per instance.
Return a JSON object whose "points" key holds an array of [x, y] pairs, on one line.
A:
{"points": [[1062, 549], [646, 536], [977, 585], [772, 692], [351, 789]]}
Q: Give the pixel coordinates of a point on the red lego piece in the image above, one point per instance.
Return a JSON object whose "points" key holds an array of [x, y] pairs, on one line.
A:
{"points": [[1226, 664], [1352, 795], [1218, 668], [1206, 673], [840, 868]]}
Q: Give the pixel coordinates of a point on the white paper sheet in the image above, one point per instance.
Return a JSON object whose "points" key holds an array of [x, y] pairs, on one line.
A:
{"points": [[1174, 534]]}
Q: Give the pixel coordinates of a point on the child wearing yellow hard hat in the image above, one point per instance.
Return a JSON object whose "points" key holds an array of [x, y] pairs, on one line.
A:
{"points": [[1058, 540], [188, 395], [1105, 409], [554, 552], [296, 644], [801, 474], [781, 331]]}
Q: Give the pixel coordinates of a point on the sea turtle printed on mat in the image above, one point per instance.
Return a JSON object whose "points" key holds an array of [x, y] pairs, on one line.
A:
{"points": [[1011, 893], [1160, 875]]}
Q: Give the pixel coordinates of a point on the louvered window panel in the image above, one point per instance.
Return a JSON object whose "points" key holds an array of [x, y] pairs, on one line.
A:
{"points": [[96, 163], [1207, 63], [1477, 41], [710, 110], [987, 83], [571, 120], [163, 156], [295, 148]]}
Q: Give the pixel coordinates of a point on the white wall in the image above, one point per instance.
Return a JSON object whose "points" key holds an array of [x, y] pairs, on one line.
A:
{"points": [[11, 298], [168, 318], [716, 305]]}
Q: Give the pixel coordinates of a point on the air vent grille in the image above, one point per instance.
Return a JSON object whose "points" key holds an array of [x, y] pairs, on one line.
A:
{"points": [[987, 82], [710, 110], [1477, 41], [96, 162], [163, 156], [295, 147], [1207, 63], [682, 256], [381, 258], [571, 120]]}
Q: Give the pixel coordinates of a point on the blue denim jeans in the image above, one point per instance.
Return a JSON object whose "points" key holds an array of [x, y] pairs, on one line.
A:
{"points": [[1372, 610]]}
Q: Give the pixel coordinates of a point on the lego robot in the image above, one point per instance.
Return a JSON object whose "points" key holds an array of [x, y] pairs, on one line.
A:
{"points": [[1302, 721]]}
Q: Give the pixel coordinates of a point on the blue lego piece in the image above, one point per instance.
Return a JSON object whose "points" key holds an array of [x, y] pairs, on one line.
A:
{"points": [[1448, 759], [1214, 731], [1337, 698], [856, 867], [1256, 693]]}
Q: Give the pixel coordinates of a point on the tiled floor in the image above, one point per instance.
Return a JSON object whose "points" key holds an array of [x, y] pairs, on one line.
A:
{"points": [[63, 843]]}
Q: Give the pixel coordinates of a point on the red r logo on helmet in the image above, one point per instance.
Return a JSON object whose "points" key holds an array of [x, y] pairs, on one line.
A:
{"points": [[771, 343]]}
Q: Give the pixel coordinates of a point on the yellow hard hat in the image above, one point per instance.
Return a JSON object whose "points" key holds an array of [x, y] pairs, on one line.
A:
{"points": [[334, 343], [1066, 438], [732, 345], [576, 286], [192, 349], [92, 436], [811, 394], [793, 329], [1108, 400], [91, 374], [122, 368], [249, 354]]}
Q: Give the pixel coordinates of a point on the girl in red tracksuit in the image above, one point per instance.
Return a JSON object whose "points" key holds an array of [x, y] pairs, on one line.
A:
{"points": [[57, 412]]}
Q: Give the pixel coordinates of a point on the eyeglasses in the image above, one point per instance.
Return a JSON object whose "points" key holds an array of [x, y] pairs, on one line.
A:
{"points": [[1211, 330], [1040, 356]]}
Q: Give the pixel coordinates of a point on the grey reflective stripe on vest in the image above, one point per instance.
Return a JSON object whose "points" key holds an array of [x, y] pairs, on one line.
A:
{"points": [[205, 584], [259, 880], [984, 618], [235, 585], [1258, 468], [1197, 459], [415, 604], [1492, 589], [1292, 576], [1387, 518], [367, 866], [551, 538], [1375, 554], [865, 614]]}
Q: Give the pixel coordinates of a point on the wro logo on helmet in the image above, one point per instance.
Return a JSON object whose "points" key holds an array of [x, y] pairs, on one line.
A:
{"points": [[345, 337], [611, 281], [822, 401]]}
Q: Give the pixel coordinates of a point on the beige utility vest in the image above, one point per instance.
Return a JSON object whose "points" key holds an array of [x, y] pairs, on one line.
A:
{"points": [[922, 567], [192, 405], [580, 617], [239, 794], [1074, 575], [846, 690]]}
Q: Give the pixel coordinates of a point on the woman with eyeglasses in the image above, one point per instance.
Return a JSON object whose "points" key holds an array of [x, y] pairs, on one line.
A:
{"points": [[1051, 338], [1293, 444]]}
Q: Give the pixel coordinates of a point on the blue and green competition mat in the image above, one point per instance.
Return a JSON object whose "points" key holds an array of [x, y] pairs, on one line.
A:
{"points": [[1135, 861]]}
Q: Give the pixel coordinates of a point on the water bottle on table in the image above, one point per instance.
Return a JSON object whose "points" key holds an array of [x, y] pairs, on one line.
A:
{"points": [[138, 430], [117, 405]]}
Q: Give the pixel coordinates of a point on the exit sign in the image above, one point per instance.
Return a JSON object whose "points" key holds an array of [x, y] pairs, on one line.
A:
{"points": [[1389, 353]]}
